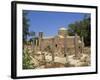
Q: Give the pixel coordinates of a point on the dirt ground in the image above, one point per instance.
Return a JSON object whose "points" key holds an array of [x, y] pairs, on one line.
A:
{"points": [[70, 61]]}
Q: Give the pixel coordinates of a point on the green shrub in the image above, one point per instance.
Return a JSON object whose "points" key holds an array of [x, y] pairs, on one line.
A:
{"points": [[27, 64]]}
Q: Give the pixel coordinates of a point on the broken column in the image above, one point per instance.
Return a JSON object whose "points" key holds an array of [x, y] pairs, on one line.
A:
{"points": [[36, 42], [40, 40], [76, 46], [53, 48], [82, 46], [65, 47]]}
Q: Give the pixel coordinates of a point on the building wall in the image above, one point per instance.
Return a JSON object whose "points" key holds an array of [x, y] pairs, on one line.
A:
{"points": [[60, 42]]}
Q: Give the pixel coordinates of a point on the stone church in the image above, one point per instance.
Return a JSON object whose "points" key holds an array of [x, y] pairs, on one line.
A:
{"points": [[61, 43]]}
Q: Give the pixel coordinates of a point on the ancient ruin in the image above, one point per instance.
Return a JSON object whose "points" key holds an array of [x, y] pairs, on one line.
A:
{"points": [[61, 43], [60, 50]]}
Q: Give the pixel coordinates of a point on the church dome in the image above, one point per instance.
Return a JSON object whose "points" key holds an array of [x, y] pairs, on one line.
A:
{"points": [[62, 28], [62, 32]]}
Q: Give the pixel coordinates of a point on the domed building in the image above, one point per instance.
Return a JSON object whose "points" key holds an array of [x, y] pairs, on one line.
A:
{"points": [[62, 32], [60, 43]]}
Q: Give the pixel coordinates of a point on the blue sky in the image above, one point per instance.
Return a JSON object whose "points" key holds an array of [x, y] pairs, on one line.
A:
{"points": [[50, 22]]}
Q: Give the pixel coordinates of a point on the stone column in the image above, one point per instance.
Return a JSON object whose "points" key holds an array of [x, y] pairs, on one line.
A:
{"points": [[65, 47], [53, 48], [33, 47], [82, 45], [36, 45], [44, 58], [40, 43], [40, 40], [76, 46]]}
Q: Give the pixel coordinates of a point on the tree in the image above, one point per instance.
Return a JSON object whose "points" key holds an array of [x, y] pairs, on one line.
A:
{"points": [[82, 28], [32, 35], [71, 29], [87, 30], [25, 26]]}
